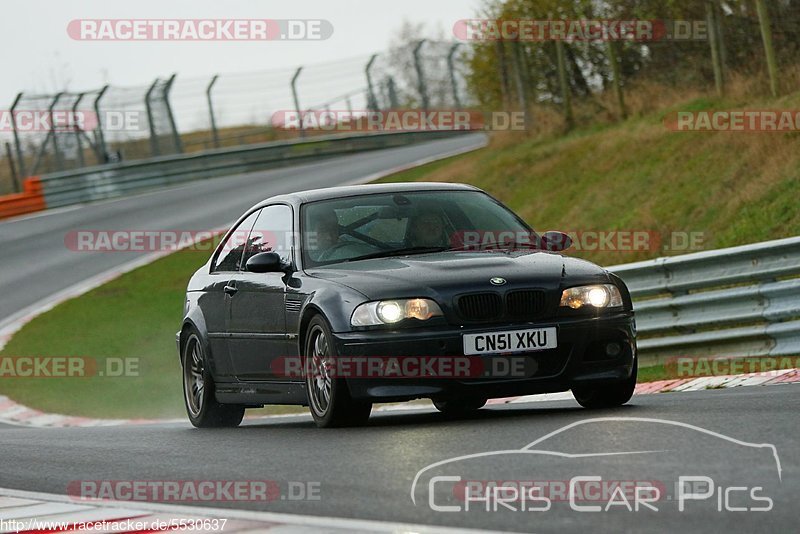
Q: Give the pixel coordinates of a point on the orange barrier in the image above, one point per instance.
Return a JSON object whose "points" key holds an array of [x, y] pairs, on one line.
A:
{"points": [[31, 199]]}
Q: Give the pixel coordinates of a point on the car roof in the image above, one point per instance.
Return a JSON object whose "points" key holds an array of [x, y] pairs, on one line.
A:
{"points": [[312, 195]]}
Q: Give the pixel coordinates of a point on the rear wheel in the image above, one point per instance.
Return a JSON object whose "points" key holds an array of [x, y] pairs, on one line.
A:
{"points": [[607, 396], [328, 396], [457, 407], [198, 390]]}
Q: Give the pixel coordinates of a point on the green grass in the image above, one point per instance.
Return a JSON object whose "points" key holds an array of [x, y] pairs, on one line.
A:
{"points": [[135, 316], [132, 317], [418, 174], [653, 373], [636, 175], [729, 188]]}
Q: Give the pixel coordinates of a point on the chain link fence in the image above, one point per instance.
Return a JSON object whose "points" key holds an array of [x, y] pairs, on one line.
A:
{"points": [[172, 114], [746, 49]]}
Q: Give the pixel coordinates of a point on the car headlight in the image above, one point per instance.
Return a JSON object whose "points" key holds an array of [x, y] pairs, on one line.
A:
{"points": [[393, 311], [599, 296]]}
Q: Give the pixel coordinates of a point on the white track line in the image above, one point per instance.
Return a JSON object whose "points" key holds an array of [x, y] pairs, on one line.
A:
{"points": [[417, 163], [51, 507], [15, 414], [12, 324]]}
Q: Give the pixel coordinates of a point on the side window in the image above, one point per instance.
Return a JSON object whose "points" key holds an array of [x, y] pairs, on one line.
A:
{"points": [[272, 232], [230, 253]]}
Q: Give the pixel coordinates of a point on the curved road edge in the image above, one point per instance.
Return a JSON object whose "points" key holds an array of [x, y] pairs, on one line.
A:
{"points": [[30, 511], [14, 414], [12, 324]]}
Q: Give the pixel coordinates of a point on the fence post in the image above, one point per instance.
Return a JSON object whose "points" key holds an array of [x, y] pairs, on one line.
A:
{"points": [[522, 93], [176, 138], [54, 137], [17, 146], [421, 86], [714, 42], [384, 91], [612, 59], [154, 149], [14, 179], [451, 69], [503, 66], [372, 103], [723, 52], [566, 92], [297, 101], [769, 50], [394, 103], [99, 137], [214, 133], [77, 128]]}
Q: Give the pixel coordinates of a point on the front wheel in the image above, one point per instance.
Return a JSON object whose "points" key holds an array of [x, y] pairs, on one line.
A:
{"points": [[328, 396], [607, 396], [198, 390]]}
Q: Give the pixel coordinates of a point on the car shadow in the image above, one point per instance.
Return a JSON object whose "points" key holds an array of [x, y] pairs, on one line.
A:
{"points": [[420, 419]]}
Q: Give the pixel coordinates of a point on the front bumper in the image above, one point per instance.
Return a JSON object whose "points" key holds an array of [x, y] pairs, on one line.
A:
{"points": [[580, 359]]}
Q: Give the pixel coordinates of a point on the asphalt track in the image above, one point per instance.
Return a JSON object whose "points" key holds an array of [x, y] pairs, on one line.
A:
{"points": [[35, 261], [368, 472]]}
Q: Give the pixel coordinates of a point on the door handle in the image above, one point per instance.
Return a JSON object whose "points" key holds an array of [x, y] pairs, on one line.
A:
{"points": [[230, 290]]}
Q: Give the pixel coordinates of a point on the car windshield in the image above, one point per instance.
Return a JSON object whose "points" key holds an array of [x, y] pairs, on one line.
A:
{"points": [[414, 222]]}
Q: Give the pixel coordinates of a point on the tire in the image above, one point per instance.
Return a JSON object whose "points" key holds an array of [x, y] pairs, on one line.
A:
{"points": [[328, 396], [607, 396], [198, 390], [457, 407]]}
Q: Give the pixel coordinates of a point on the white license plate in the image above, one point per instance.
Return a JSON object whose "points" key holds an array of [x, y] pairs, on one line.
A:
{"points": [[511, 341]]}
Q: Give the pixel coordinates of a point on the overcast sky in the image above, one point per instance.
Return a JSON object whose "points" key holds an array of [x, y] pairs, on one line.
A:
{"points": [[39, 56]]}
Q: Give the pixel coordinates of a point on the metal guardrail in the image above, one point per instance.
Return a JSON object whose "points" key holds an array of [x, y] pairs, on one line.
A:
{"points": [[113, 180], [739, 301]]}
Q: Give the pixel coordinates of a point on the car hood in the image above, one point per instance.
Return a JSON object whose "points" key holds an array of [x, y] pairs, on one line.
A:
{"points": [[446, 273]]}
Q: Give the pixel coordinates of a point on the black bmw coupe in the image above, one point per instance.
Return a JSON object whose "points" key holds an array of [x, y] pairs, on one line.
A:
{"points": [[339, 298]]}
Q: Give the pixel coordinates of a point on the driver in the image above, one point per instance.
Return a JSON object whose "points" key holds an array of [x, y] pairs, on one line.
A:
{"points": [[428, 230], [325, 235]]}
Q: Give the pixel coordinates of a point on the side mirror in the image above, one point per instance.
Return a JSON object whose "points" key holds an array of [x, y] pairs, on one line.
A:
{"points": [[556, 241], [265, 262]]}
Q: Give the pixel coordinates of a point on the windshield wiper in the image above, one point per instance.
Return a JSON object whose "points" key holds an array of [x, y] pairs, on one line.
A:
{"points": [[400, 252]]}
